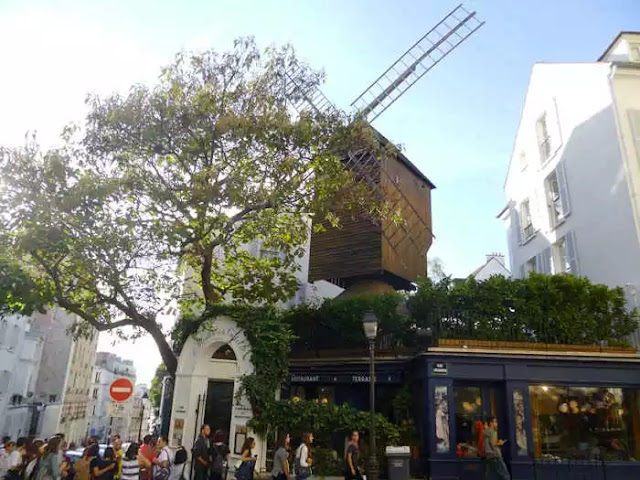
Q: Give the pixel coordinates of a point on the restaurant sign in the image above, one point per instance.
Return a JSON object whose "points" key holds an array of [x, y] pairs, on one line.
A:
{"points": [[394, 377]]}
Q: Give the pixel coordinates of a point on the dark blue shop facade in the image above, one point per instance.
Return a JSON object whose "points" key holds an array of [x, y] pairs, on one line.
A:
{"points": [[563, 415]]}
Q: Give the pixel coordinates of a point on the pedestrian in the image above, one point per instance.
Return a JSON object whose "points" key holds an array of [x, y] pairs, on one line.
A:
{"points": [[16, 451], [104, 468], [119, 456], [149, 452], [201, 453], [49, 464], [280, 469], [33, 456], [4, 456], [352, 458], [244, 471], [496, 468], [303, 459], [162, 463], [219, 456], [83, 466], [132, 462]]}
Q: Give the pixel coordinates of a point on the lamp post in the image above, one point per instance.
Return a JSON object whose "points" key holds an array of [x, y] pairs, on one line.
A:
{"points": [[370, 325]]}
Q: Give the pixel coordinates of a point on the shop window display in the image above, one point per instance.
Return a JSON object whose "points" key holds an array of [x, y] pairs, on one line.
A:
{"points": [[589, 423], [468, 420]]}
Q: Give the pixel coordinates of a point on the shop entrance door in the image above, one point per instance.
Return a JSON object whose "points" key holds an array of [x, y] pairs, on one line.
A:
{"points": [[473, 402], [217, 413]]}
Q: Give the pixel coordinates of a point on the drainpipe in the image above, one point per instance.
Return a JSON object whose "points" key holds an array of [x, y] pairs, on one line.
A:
{"points": [[623, 151]]}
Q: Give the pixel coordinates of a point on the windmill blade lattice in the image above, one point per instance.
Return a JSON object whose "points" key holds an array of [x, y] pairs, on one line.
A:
{"points": [[425, 54]]}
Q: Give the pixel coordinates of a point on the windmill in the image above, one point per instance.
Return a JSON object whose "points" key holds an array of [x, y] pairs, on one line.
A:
{"points": [[365, 255]]}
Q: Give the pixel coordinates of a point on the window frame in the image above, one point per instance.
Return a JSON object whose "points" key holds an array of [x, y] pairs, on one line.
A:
{"points": [[528, 231], [543, 138]]}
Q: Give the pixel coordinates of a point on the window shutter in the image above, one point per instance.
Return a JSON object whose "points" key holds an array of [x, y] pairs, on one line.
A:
{"points": [[523, 272], [561, 175], [516, 224], [546, 261], [553, 126], [572, 254]]}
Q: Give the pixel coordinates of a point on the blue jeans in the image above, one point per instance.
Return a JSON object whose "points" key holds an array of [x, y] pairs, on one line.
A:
{"points": [[497, 470]]}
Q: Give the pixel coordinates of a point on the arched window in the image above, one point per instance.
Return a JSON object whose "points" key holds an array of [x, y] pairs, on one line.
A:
{"points": [[225, 352]]}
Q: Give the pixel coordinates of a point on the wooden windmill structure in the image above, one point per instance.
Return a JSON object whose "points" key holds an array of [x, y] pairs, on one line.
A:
{"points": [[370, 256]]}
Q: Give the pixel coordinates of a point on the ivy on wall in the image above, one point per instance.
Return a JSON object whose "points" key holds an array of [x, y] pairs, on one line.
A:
{"points": [[540, 308]]}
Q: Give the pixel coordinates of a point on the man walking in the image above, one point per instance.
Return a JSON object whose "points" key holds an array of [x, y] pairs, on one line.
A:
{"points": [[201, 453], [496, 469]]}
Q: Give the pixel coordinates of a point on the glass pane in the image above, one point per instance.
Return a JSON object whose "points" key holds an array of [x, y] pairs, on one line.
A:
{"points": [[442, 418], [468, 410], [590, 423]]}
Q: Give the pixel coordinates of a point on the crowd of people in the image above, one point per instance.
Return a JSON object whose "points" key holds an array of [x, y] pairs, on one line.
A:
{"points": [[151, 459], [34, 459]]}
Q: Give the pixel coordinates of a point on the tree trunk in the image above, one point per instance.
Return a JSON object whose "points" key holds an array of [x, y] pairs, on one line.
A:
{"points": [[168, 356]]}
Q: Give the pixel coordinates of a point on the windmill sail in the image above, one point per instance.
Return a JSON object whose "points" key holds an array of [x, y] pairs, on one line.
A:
{"points": [[425, 54]]}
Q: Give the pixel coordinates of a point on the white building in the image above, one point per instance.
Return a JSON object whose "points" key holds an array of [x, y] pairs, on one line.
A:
{"points": [[107, 368], [573, 182], [44, 375], [494, 265], [20, 352]]}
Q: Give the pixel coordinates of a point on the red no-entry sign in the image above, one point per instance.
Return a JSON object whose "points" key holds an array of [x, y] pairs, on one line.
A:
{"points": [[121, 389]]}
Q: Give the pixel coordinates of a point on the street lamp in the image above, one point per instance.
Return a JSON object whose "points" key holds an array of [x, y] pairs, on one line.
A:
{"points": [[370, 325]]}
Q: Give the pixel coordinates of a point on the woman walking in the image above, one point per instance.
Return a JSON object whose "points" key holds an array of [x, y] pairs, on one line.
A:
{"points": [[132, 462], [352, 458], [49, 468], [248, 462], [303, 459], [34, 453], [104, 468], [280, 469]]}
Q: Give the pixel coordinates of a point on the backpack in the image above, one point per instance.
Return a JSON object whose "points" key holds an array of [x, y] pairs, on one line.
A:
{"points": [[218, 462], [181, 456]]}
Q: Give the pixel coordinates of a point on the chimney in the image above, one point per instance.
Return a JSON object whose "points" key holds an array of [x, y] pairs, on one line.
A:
{"points": [[497, 256]]}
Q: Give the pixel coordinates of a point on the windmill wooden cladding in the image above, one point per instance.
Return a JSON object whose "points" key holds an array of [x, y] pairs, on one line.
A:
{"points": [[359, 249]]}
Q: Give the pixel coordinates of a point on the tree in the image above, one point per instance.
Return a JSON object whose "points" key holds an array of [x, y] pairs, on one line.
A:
{"points": [[155, 391], [435, 269], [182, 176]]}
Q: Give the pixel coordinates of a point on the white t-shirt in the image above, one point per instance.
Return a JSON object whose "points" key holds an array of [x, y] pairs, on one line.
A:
{"points": [[303, 454], [163, 456], [4, 462], [15, 459]]}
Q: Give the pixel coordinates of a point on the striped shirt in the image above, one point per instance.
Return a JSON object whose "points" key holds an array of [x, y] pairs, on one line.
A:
{"points": [[130, 469]]}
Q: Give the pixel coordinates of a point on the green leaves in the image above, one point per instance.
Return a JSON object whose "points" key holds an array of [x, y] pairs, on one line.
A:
{"points": [[189, 174], [542, 308]]}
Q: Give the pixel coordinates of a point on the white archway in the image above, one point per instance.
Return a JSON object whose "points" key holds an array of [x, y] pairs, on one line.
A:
{"points": [[195, 368]]}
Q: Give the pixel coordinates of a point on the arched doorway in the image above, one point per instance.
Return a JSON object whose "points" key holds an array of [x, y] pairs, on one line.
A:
{"points": [[208, 378]]}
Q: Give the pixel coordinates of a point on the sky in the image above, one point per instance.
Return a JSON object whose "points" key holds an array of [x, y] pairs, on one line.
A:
{"points": [[457, 124]]}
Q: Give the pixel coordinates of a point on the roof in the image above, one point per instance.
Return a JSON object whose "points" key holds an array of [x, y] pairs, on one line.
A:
{"points": [[615, 40], [401, 156], [479, 269]]}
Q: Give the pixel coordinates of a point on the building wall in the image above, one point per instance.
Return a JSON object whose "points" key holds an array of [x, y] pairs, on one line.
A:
{"points": [[75, 416], [588, 150], [20, 352], [491, 268], [107, 368]]}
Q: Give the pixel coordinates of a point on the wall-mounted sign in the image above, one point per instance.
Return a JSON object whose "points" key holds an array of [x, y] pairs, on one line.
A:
{"points": [[394, 377], [439, 368]]}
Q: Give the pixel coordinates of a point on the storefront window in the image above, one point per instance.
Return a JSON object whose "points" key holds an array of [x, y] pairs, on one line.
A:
{"points": [[591, 423], [468, 411]]}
